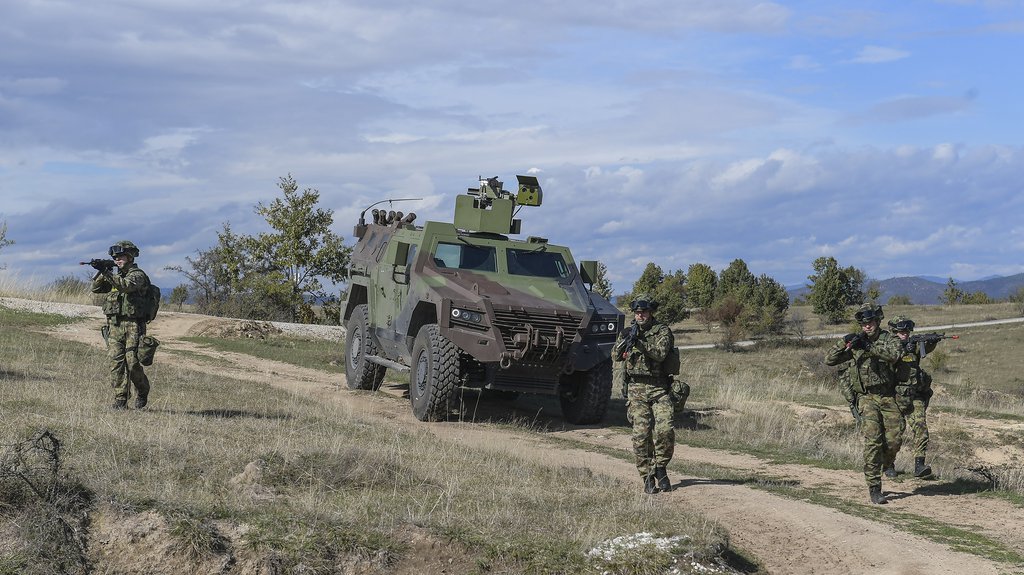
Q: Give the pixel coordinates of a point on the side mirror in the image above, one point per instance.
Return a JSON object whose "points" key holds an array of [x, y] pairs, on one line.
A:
{"points": [[588, 271]]}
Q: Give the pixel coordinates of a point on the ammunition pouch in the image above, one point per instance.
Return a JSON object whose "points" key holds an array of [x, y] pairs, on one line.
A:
{"points": [[679, 391], [147, 349]]}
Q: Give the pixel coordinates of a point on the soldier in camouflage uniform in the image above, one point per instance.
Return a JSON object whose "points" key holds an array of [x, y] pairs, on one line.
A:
{"points": [[870, 358], [125, 328], [913, 390], [650, 407]]}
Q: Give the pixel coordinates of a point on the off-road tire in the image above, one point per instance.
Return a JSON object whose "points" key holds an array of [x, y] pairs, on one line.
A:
{"points": [[361, 374], [585, 394], [434, 374]]}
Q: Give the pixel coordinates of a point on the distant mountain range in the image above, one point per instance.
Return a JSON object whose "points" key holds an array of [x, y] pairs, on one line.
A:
{"points": [[927, 290]]}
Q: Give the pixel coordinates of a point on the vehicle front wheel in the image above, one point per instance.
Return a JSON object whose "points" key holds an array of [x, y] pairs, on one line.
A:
{"points": [[360, 373], [585, 394], [434, 374]]}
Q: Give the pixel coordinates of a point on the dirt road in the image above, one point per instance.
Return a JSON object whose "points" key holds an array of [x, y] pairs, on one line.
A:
{"points": [[786, 535]]}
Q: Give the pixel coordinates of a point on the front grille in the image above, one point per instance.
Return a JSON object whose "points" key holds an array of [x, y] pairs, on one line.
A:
{"points": [[540, 330]]}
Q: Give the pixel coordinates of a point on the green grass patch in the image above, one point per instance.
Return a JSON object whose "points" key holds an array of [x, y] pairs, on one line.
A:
{"points": [[320, 354]]}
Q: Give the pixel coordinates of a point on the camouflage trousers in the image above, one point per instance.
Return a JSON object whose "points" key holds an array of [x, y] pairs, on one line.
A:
{"points": [[123, 357], [882, 426], [915, 411], [650, 409]]}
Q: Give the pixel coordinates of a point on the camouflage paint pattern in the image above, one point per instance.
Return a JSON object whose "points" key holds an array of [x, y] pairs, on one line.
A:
{"points": [[532, 329]]}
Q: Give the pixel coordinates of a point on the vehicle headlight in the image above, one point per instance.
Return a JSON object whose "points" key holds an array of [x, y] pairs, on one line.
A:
{"points": [[467, 315]]}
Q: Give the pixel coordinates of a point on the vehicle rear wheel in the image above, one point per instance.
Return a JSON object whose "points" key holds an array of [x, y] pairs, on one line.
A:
{"points": [[360, 373], [434, 374], [585, 394]]}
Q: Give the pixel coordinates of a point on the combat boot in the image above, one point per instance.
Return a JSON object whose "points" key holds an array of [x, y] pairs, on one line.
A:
{"points": [[120, 404], [876, 494], [649, 486], [662, 476], [920, 469], [141, 402], [890, 471]]}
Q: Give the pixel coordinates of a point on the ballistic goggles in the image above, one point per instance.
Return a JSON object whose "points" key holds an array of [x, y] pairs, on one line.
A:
{"points": [[642, 304], [867, 316], [905, 325]]}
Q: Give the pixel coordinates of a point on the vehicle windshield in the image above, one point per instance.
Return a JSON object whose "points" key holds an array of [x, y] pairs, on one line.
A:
{"points": [[538, 263], [465, 257]]}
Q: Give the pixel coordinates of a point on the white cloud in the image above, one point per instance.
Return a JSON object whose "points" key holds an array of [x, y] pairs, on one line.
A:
{"points": [[879, 55]]}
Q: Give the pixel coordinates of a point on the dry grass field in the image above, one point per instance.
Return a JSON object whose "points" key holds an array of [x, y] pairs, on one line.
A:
{"points": [[253, 457]]}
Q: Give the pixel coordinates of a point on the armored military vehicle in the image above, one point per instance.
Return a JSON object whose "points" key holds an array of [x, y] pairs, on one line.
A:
{"points": [[460, 305]]}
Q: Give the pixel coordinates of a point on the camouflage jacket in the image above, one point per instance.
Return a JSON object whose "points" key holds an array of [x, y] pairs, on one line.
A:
{"points": [[868, 370], [910, 376], [126, 291], [648, 353]]}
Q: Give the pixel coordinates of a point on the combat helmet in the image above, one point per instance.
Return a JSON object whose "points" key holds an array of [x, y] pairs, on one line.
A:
{"points": [[643, 301], [124, 247], [869, 312], [901, 323]]}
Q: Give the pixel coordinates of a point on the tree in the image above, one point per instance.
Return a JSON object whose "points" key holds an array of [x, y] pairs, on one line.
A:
{"points": [[671, 297], [952, 295], [4, 242], [832, 288], [668, 290], [179, 295], [874, 290], [701, 282], [1018, 298], [767, 306], [218, 278], [649, 280], [601, 284], [736, 280], [978, 297], [302, 249]]}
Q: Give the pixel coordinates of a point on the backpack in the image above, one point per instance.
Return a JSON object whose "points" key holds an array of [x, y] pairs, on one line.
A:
{"points": [[151, 303], [670, 366]]}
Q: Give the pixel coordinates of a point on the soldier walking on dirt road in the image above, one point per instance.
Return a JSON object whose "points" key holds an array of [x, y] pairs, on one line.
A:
{"points": [[643, 348], [871, 356]]}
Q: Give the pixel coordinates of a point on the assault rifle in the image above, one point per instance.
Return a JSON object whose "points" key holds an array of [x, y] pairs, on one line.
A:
{"points": [[99, 265], [920, 340], [630, 339], [857, 341]]}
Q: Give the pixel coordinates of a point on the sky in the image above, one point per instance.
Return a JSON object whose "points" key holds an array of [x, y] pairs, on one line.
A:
{"points": [[884, 134]]}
